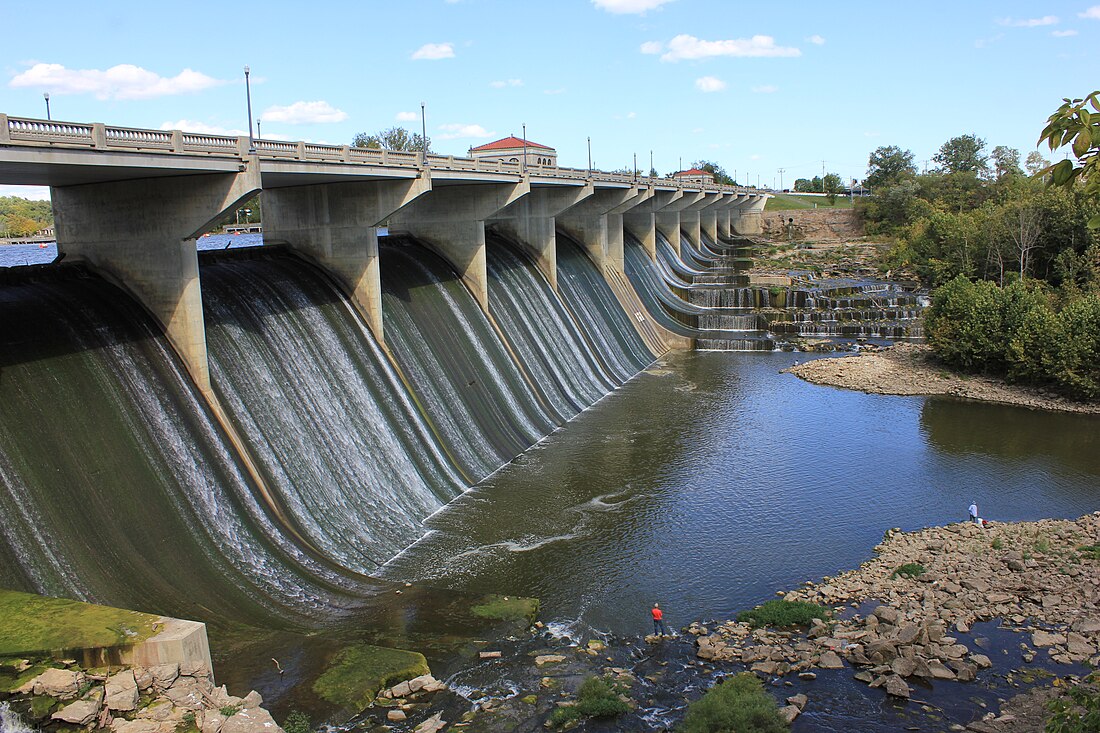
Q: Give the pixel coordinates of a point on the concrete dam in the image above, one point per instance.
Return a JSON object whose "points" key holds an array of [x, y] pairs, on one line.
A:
{"points": [[247, 434]]}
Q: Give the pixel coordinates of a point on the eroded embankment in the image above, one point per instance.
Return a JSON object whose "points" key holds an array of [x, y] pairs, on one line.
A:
{"points": [[912, 369]]}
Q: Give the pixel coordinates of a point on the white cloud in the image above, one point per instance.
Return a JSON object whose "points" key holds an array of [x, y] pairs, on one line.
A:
{"points": [[201, 127], [871, 133], [124, 81], [816, 40], [709, 84], [755, 156], [1092, 13], [1028, 22], [560, 90], [765, 89], [305, 113], [407, 116], [1063, 34], [434, 51], [652, 47], [454, 131], [623, 7], [501, 83], [688, 47]]}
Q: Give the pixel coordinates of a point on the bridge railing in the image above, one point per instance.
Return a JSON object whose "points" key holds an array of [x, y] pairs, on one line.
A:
{"points": [[31, 131]]}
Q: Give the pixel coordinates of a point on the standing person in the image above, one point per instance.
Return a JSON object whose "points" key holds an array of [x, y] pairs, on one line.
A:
{"points": [[659, 628], [974, 512]]}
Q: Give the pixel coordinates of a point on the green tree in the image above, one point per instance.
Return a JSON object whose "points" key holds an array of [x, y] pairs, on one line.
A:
{"points": [[738, 705], [1072, 124], [887, 165], [395, 138], [833, 186], [963, 154], [1035, 162], [802, 185], [964, 325], [1006, 161]]}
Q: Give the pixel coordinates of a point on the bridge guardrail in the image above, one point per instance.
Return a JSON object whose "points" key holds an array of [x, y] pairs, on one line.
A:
{"points": [[32, 131]]}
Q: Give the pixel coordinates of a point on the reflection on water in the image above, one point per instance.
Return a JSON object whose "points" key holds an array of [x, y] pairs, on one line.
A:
{"points": [[709, 499]]}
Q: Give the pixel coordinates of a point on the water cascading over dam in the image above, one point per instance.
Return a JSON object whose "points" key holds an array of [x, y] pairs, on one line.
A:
{"points": [[116, 484]]}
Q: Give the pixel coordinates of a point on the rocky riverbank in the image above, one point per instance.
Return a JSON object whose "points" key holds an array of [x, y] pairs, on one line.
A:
{"points": [[169, 698], [926, 590], [912, 369]]}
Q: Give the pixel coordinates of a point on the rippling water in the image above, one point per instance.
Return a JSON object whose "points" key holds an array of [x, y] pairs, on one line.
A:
{"points": [[18, 255], [712, 481]]}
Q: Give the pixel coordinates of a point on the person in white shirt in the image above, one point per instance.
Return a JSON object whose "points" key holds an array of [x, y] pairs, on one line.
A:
{"points": [[974, 513]]}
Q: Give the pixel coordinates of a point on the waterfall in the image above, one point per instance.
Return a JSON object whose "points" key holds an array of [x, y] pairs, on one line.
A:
{"points": [[116, 484], [321, 408], [10, 722]]}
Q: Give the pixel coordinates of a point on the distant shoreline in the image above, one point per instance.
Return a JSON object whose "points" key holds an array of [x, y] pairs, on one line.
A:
{"points": [[911, 369]]}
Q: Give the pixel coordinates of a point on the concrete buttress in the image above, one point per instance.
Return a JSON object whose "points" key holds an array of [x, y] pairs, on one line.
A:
{"points": [[597, 224], [451, 220], [641, 221], [336, 225], [668, 218], [530, 222], [142, 234]]}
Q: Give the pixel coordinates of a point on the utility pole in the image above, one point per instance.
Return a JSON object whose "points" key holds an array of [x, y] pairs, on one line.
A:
{"points": [[651, 162], [781, 172], [823, 176]]}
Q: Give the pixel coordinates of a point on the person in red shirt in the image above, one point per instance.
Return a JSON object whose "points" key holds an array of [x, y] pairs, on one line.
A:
{"points": [[659, 627]]}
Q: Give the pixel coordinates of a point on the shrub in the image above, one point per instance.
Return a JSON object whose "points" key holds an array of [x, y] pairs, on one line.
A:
{"points": [[1077, 355], [1076, 712], [908, 570], [964, 325], [596, 698], [780, 614], [297, 722], [738, 705]]}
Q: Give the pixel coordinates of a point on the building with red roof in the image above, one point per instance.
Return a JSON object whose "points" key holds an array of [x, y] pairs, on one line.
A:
{"points": [[694, 175], [511, 149]]}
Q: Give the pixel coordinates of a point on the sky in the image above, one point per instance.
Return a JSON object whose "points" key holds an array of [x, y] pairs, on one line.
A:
{"points": [[755, 87]]}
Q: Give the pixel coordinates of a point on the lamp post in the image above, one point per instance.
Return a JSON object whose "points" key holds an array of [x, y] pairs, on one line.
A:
{"points": [[635, 167], [650, 163], [46, 96], [259, 135], [524, 147], [248, 96], [589, 156], [424, 133]]}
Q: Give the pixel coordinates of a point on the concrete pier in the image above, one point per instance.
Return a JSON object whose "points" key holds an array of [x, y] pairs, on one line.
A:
{"points": [[597, 223], [641, 220], [141, 234], [336, 225], [669, 217], [452, 222]]}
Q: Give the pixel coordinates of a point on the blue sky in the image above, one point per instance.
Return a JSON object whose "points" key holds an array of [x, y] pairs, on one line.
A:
{"points": [[754, 87]]}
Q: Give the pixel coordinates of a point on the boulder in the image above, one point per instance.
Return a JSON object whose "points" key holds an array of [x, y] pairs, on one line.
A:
{"points": [[1087, 626], [194, 668], [789, 713], [431, 725], [903, 667], [60, 683], [81, 712], [254, 720], [940, 671], [252, 700], [121, 725], [212, 721], [1042, 638], [798, 701], [544, 659], [830, 660], [766, 667], [396, 715], [886, 614], [1078, 645], [122, 691], [897, 687], [164, 675], [908, 633], [143, 677], [981, 660]]}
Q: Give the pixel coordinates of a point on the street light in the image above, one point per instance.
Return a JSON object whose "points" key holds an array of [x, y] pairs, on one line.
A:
{"points": [[424, 134], [46, 96], [248, 95], [259, 135], [589, 156], [524, 147]]}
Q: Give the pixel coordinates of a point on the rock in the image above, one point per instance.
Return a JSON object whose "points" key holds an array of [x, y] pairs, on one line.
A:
{"points": [[431, 725], [121, 725], [766, 667], [981, 660], [143, 677], [903, 667], [164, 675], [396, 715], [548, 659], [962, 627], [252, 700], [489, 655], [807, 675], [1042, 638], [886, 614], [212, 721], [122, 691], [81, 712], [908, 633], [940, 671], [863, 676], [59, 683], [897, 687], [798, 701], [1078, 646], [194, 668], [1087, 626], [254, 720], [401, 689], [830, 660], [789, 713], [161, 711]]}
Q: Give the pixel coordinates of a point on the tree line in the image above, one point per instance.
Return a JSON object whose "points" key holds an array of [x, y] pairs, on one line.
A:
{"points": [[1014, 256], [21, 217]]}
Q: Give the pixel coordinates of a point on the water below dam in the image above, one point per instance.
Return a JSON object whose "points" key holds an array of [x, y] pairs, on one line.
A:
{"points": [[711, 480]]}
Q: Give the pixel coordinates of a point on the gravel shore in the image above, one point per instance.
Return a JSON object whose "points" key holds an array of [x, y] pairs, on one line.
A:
{"points": [[911, 369]]}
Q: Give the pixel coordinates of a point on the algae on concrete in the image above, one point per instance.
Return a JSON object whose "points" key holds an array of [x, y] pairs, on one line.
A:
{"points": [[360, 672], [31, 623], [507, 608]]}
